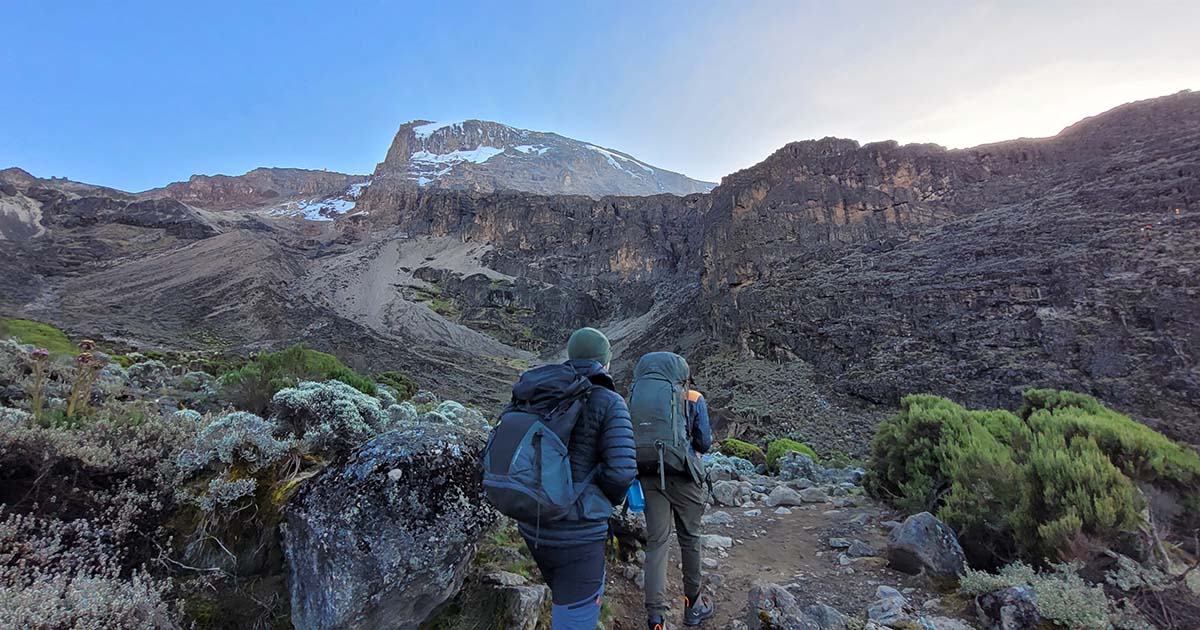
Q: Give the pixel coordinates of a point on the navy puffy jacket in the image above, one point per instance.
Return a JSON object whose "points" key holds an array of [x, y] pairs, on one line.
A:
{"points": [[603, 436]]}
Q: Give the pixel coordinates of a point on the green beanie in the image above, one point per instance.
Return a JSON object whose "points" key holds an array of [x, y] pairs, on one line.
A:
{"points": [[589, 343]]}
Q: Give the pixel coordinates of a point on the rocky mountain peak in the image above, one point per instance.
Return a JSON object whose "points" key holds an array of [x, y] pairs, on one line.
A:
{"points": [[484, 156]]}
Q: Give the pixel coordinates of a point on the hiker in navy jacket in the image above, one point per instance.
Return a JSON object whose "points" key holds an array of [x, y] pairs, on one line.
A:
{"points": [[570, 552]]}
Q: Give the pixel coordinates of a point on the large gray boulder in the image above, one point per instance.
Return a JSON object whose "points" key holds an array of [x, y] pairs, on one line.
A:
{"points": [[383, 538], [923, 543], [785, 496], [772, 607]]}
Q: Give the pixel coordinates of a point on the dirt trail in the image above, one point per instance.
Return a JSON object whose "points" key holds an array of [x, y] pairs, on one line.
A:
{"points": [[791, 550]]}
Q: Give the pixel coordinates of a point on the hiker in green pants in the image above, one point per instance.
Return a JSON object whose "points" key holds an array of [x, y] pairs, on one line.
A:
{"points": [[671, 430]]}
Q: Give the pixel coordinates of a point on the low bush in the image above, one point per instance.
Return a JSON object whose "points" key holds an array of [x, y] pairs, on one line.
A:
{"points": [[402, 386], [778, 447], [1063, 597], [66, 574], [733, 447], [330, 417], [252, 386], [151, 375], [1032, 485]]}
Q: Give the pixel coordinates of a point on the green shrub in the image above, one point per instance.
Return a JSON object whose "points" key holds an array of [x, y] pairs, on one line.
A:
{"points": [[1065, 469], [1062, 596], [37, 334], [404, 386], [778, 447], [252, 386], [737, 448]]}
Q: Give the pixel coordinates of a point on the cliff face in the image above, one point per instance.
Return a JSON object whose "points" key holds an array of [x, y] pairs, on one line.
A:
{"points": [[1066, 262]]}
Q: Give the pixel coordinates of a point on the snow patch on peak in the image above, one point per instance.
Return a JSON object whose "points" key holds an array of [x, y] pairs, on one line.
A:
{"points": [[424, 131], [613, 157], [322, 209], [425, 166], [478, 156], [529, 148]]}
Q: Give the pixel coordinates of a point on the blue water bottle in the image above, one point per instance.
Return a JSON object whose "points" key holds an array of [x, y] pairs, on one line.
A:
{"points": [[637, 501]]}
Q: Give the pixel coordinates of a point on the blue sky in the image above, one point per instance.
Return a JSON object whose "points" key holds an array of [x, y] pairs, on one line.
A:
{"points": [[137, 94]]}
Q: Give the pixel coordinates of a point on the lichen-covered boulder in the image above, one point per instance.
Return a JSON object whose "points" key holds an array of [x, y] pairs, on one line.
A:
{"points": [[797, 465], [385, 537], [728, 468], [923, 543]]}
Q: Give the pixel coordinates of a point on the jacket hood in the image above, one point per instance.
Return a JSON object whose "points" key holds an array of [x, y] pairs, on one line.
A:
{"points": [[543, 387], [666, 365], [592, 371]]}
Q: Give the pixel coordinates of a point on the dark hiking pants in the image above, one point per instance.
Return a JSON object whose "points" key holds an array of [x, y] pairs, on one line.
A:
{"points": [[575, 575], [681, 504]]}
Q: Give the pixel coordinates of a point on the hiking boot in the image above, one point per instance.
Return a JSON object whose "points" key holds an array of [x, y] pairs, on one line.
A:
{"points": [[695, 612], [656, 623]]}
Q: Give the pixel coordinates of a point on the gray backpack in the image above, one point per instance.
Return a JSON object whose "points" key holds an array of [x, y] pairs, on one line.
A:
{"points": [[661, 413]]}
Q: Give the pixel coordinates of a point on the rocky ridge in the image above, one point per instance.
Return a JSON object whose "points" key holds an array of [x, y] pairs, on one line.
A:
{"points": [[259, 188], [484, 156]]}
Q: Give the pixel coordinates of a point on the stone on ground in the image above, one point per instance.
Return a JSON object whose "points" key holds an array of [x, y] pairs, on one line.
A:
{"points": [[783, 495], [891, 610], [827, 617], [860, 549], [717, 518], [772, 607], [732, 493], [813, 495], [922, 543], [713, 541]]}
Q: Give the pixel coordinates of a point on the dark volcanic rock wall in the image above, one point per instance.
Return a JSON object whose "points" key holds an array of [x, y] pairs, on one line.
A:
{"points": [[1068, 262], [618, 250]]}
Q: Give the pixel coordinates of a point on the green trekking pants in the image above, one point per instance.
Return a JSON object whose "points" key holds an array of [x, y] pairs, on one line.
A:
{"points": [[681, 503]]}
